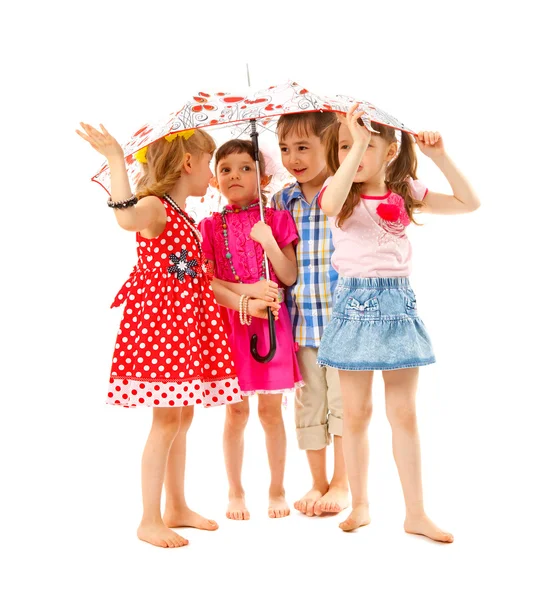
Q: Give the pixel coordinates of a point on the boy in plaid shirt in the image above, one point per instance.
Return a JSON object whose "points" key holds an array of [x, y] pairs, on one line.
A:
{"points": [[319, 411]]}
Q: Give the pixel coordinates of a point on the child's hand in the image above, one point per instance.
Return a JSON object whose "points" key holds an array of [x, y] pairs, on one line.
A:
{"points": [[259, 308], [430, 143], [102, 142], [262, 234], [265, 290], [360, 133]]}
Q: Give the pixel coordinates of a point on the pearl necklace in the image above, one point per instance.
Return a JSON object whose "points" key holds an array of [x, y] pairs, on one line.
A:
{"points": [[188, 220]]}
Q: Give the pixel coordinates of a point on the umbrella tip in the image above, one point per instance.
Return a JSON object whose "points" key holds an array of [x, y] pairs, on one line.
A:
{"points": [[248, 74]]}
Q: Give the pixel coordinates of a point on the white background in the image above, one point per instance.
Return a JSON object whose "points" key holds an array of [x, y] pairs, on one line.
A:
{"points": [[70, 464]]}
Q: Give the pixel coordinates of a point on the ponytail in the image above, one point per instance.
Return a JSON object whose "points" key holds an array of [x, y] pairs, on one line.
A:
{"points": [[400, 170]]}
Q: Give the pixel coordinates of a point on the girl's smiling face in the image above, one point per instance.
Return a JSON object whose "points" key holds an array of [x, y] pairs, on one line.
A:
{"points": [[236, 178]]}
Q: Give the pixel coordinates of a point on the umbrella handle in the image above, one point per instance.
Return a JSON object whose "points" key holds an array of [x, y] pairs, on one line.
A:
{"points": [[271, 319], [273, 342]]}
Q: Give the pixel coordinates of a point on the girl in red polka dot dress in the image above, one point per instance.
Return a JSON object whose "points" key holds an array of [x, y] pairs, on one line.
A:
{"points": [[172, 351]]}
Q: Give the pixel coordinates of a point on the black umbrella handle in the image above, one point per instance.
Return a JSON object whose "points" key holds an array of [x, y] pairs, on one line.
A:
{"points": [[273, 341], [271, 319]]}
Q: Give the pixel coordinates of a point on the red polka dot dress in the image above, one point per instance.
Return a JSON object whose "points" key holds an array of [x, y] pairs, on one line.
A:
{"points": [[171, 348]]}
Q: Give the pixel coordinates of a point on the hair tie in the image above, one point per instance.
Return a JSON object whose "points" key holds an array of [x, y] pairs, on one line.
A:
{"points": [[188, 133], [141, 155]]}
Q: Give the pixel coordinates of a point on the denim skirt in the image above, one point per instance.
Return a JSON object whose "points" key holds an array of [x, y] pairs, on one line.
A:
{"points": [[375, 326]]}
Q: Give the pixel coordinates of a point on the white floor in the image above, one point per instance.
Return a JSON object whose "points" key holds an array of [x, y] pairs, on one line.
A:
{"points": [[77, 508]]}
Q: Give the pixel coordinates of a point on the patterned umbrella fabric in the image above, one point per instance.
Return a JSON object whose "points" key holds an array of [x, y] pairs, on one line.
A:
{"points": [[234, 112]]}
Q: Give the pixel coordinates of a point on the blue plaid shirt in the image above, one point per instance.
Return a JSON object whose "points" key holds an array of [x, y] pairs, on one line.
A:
{"points": [[309, 300]]}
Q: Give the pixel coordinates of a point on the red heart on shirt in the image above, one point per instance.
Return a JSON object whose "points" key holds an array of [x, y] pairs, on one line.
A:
{"points": [[388, 212]]}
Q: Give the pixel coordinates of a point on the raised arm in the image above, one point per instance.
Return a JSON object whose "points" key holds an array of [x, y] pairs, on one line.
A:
{"points": [[463, 199], [148, 216], [338, 189]]}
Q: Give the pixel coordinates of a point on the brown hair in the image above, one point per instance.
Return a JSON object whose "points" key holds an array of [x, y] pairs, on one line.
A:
{"points": [[307, 123], [404, 165], [240, 147], [165, 162]]}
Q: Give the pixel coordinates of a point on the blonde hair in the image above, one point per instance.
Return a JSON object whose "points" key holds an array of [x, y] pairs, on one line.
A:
{"points": [[403, 166], [164, 164]]}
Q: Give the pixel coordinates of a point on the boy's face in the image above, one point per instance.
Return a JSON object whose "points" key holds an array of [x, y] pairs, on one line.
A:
{"points": [[303, 155]]}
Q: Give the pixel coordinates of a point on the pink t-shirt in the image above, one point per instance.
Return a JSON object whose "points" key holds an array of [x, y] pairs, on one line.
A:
{"points": [[372, 241]]}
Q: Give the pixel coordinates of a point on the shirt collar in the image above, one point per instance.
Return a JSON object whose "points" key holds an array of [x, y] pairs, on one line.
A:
{"points": [[296, 192]]}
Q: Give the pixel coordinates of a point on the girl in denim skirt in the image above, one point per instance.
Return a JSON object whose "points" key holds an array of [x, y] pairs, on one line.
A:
{"points": [[371, 199]]}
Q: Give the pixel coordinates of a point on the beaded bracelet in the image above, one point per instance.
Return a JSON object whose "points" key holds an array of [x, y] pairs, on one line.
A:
{"points": [[130, 202], [241, 309], [244, 318], [248, 318]]}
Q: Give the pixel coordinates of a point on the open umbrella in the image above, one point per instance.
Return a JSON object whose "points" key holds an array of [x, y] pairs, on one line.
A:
{"points": [[235, 112], [242, 114]]}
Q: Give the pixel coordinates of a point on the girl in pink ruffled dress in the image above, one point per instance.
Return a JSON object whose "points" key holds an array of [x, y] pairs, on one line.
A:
{"points": [[234, 241]]}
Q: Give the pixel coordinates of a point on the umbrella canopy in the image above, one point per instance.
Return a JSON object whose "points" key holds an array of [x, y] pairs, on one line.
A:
{"points": [[234, 113]]}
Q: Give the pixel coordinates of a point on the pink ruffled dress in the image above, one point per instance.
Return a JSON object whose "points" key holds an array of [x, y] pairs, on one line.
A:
{"points": [[281, 374]]}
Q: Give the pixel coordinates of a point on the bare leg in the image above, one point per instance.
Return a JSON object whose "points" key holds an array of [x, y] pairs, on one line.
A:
{"points": [[356, 388], [271, 417], [310, 416], [166, 422], [336, 498], [177, 513], [400, 392], [317, 465], [237, 416]]}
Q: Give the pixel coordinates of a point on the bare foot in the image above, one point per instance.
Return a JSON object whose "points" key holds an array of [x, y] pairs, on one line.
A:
{"points": [[184, 517], [159, 535], [423, 526], [278, 507], [306, 504], [335, 500], [360, 516], [237, 510]]}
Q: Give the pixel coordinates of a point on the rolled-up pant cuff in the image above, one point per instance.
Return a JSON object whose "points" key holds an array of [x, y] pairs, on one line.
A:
{"points": [[313, 438], [335, 425]]}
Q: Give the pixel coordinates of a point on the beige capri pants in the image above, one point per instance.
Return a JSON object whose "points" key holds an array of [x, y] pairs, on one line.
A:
{"points": [[319, 408]]}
